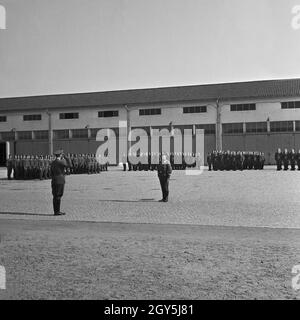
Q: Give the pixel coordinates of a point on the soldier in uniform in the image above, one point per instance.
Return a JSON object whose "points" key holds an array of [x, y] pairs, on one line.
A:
{"points": [[233, 161], [76, 164], [222, 161], [26, 167], [88, 164], [164, 171], [20, 160], [58, 167], [245, 162], [69, 163], [209, 160], [47, 167], [292, 159], [218, 159], [227, 160], [36, 167], [278, 159], [256, 161], [9, 166], [262, 160], [41, 167], [251, 160], [14, 163], [172, 160], [285, 160], [239, 161]]}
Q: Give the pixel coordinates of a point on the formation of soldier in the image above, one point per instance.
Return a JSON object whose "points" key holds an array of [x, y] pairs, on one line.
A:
{"points": [[235, 160], [27, 167], [287, 159], [149, 161]]}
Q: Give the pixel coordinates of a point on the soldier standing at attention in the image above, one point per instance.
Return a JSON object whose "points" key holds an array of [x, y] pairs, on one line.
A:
{"points": [[208, 159], [41, 167], [9, 165], [164, 171], [262, 161], [278, 159], [58, 181], [251, 161], [292, 156], [285, 158], [14, 163]]}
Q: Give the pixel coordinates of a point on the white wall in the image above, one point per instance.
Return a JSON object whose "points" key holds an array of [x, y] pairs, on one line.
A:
{"points": [[86, 117], [170, 112], [264, 110]]}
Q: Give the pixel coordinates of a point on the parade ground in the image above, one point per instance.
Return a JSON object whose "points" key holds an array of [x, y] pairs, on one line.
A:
{"points": [[222, 235]]}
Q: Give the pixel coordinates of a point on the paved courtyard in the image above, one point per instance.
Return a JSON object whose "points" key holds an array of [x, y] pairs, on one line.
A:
{"points": [[223, 235]]}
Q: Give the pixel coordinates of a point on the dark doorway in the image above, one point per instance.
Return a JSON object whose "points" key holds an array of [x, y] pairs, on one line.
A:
{"points": [[2, 154]]}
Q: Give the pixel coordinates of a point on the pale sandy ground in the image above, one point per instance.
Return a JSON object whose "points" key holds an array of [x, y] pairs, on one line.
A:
{"points": [[71, 260], [223, 235]]}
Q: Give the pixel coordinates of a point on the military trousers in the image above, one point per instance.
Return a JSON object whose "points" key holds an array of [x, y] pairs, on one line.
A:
{"points": [[164, 184], [57, 192], [9, 172]]}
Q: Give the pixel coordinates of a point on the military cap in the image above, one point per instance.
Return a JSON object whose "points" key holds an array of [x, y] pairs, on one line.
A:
{"points": [[58, 152]]}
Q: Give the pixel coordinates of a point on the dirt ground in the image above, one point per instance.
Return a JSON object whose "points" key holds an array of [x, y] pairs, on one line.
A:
{"points": [[78, 260]]}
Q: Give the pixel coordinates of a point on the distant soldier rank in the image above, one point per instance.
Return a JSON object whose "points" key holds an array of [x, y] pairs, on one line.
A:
{"points": [[26, 167], [150, 161], [232, 160], [287, 159]]}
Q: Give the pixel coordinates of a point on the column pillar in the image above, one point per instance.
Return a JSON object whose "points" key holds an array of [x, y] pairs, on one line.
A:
{"points": [[219, 142], [50, 134]]}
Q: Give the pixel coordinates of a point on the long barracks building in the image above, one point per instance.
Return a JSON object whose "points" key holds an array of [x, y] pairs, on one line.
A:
{"points": [[246, 116]]}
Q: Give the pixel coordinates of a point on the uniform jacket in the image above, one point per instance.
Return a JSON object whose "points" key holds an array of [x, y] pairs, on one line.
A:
{"points": [[164, 170], [9, 163], [58, 171]]}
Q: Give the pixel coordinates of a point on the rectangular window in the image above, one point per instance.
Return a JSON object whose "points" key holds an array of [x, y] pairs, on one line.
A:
{"points": [[233, 128], [3, 119], [256, 127], [281, 126], [24, 135], [149, 112], [208, 128], [41, 135], [108, 114], [243, 107], [198, 109], [32, 117], [290, 105], [61, 134], [80, 133], [10, 135], [69, 115]]}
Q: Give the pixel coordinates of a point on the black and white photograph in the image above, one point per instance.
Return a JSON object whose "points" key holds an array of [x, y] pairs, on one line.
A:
{"points": [[149, 151]]}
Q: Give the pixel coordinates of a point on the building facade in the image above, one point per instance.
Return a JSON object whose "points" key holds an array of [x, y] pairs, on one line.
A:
{"points": [[246, 116]]}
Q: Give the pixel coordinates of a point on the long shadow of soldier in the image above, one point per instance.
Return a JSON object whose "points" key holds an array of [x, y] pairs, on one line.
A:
{"points": [[26, 214]]}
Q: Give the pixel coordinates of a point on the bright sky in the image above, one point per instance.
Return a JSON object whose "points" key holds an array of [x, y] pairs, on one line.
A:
{"points": [[64, 46]]}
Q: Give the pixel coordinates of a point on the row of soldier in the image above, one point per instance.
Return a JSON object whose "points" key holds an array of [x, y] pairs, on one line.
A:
{"points": [[25, 167], [232, 160], [285, 159], [149, 161]]}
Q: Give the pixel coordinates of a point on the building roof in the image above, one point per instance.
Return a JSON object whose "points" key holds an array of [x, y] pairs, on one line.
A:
{"points": [[209, 92]]}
